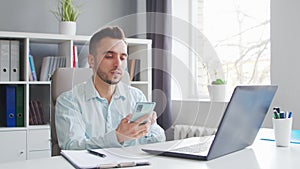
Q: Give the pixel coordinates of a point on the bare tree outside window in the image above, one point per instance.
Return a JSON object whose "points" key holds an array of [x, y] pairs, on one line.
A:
{"points": [[239, 31]]}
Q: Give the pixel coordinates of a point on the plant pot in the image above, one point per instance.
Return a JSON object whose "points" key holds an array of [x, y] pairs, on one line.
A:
{"points": [[67, 28], [217, 92]]}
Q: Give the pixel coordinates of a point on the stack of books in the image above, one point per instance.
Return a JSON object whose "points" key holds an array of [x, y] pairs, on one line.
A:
{"points": [[49, 65], [36, 114]]}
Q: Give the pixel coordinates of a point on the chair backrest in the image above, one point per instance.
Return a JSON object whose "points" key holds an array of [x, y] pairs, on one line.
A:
{"points": [[63, 80]]}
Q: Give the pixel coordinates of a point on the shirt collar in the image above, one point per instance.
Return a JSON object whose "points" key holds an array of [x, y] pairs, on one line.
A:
{"points": [[91, 92]]}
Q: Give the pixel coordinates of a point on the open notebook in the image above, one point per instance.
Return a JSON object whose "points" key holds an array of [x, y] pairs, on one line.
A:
{"points": [[84, 159]]}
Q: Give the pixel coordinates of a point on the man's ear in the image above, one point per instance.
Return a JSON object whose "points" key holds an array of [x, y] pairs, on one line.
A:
{"points": [[91, 61]]}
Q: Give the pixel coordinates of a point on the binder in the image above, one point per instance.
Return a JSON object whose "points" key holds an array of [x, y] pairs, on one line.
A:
{"points": [[20, 106], [10, 106], [3, 106], [14, 72], [4, 60]]}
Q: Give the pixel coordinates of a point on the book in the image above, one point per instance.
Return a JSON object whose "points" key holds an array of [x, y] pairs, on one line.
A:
{"points": [[134, 68], [75, 56], [109, 159], [38, 112], [32, 67], [137, 69], [295, 136], [32, 114], [45, 69], [131, 65]]}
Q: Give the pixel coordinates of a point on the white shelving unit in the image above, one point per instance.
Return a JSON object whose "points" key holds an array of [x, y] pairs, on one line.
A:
{"points": [[34, 141]]}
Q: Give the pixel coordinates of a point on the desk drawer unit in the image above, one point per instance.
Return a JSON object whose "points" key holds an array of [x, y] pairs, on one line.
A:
{"points": [[39, 143], [12, 146]]}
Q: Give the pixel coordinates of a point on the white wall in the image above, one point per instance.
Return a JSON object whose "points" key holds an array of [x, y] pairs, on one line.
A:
{"points": [[285, 55], [35, 15]]}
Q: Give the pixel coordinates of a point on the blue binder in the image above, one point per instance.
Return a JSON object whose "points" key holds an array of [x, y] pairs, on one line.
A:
{"points": [[10, 106]]}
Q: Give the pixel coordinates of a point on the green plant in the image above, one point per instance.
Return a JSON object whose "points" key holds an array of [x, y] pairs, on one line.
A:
{"points": [[218, 81], [66, 11]]}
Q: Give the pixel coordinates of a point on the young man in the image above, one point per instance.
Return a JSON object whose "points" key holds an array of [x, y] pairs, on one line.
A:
{"points": [[96, 114]]}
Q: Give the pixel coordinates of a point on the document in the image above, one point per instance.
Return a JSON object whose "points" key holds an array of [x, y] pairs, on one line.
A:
{"points": [[295, 136], [108, 159]]}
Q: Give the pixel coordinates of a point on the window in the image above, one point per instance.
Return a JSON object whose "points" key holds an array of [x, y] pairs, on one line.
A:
{"points": [[238, 31]]}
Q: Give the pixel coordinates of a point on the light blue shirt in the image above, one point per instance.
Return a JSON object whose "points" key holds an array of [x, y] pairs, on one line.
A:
{"points": [[85, 120]]}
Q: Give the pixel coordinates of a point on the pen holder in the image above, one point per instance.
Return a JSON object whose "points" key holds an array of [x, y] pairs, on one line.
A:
{"points": [[282, 131]]}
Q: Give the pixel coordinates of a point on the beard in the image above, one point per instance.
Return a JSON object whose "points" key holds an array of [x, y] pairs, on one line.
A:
{"points": [[104, 77]]}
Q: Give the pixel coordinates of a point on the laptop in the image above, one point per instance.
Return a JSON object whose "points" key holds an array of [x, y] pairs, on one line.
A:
{"points": [[238, 127]]}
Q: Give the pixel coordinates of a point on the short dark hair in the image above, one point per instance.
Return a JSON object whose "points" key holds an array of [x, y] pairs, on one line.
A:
{"points": [[112, 32]]}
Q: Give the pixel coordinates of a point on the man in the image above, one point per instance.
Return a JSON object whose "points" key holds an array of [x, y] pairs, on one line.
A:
{"points": [[96, 114]]}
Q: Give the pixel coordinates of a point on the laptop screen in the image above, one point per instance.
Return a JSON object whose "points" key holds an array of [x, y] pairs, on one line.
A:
{"points": [[242, 119]]}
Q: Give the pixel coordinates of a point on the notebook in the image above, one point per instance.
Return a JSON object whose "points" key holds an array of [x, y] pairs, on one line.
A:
{"points": [[238, 128]]}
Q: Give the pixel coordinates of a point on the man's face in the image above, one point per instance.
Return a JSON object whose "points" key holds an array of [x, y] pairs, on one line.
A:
{"points": [[111, 60]]}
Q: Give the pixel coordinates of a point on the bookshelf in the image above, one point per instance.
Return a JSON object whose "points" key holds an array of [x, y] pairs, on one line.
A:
{"points": [[33, 140]]}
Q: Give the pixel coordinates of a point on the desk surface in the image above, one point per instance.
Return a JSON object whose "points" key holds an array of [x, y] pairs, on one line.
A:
{"points": [[262, 154]]}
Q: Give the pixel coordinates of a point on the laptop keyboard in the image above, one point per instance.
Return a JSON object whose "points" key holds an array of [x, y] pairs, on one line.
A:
{"points": [[195, 148]]}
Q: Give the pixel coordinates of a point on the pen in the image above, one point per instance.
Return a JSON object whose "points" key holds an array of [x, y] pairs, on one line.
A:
{"points": [[275, 115], [282, 115], [96, 153], [290, 114]]}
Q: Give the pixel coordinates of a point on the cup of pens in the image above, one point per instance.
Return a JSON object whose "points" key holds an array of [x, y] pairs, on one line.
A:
{"points": [[282, 125]]}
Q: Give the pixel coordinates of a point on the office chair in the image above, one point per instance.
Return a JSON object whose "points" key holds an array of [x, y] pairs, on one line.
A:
{"points": [[63, 79]]}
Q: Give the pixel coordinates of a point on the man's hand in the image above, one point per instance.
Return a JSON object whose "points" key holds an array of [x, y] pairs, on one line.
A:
{"points": [[134, 130]]}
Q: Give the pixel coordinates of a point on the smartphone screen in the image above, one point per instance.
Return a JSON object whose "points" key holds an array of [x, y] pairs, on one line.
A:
{"points": [[142, 108]]}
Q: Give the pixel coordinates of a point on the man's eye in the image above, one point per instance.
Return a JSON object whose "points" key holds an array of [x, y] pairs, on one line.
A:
{"points": [[123, 57], [109, 55]]}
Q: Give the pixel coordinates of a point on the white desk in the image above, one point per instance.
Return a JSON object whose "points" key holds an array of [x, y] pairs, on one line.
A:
{"points": [[262, 154]]}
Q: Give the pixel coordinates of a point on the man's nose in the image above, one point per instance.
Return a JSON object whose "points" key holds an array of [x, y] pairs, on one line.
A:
{"points": [[117, 61]]}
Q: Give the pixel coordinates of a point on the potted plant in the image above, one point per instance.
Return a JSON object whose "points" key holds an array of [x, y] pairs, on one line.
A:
{"points": [[67, 14], [217, 89]]}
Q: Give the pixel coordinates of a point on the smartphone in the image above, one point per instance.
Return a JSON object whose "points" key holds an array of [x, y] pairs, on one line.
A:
{"points": [[142, 108]]}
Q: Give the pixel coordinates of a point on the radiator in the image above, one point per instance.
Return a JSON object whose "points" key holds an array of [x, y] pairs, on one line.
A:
{"points": [[186, 131]]}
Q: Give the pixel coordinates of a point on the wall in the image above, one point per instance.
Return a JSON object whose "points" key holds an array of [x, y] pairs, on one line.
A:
{"points": [[35, 15], [285, 52]]}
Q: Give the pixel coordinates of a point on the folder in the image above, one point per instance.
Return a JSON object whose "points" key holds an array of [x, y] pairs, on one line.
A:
{"points": [[14, 72], [4, 60], [3, 106], [10, 106], [20, 106], [110, 159]]}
